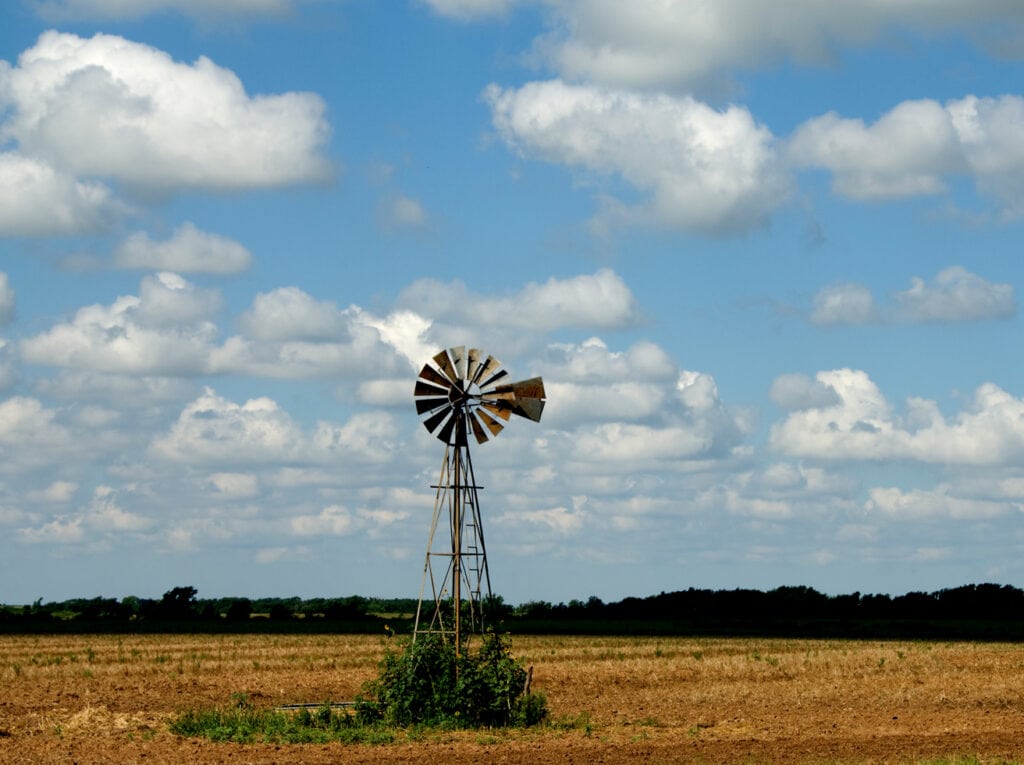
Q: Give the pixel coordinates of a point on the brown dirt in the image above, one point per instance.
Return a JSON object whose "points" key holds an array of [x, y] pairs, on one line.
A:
{"points": [[107, 699]]}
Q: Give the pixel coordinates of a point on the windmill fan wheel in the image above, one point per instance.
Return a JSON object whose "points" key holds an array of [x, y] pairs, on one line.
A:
{"points": [[459, 391]]}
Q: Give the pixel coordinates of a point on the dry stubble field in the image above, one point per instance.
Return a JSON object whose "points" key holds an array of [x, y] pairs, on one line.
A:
{"points": [[107, 699]]}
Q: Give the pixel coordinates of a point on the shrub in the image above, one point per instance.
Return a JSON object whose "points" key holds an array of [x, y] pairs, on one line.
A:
{"points": [[430, 682]]}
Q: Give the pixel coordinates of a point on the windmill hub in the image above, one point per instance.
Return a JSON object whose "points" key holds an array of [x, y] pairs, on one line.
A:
{"points": [[462, 392], [465, 392]]}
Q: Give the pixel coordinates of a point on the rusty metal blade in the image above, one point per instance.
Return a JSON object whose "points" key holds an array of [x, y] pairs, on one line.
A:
{"points": [[458, 354], [424, 388], [493, 379], [445, 364], [432, 375], [478, 430], [492, 424], [474, 364], [424, 405], [532, 388], [530, 408], [500, 408], [445, 434], [489, 367], [432, 422]]}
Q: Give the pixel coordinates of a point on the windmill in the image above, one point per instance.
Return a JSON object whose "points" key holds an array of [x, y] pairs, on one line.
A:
{"points": [[457, 394]]}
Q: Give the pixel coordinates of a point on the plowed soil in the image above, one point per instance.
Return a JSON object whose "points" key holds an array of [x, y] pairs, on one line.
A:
{"points": [[108, 699]]}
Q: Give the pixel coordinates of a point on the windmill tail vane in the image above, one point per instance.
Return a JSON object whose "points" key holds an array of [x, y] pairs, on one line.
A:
{"points": [[456, 394]]}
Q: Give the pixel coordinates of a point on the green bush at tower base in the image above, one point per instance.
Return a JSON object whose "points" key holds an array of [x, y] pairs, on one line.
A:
{"points": [[430, 682]]}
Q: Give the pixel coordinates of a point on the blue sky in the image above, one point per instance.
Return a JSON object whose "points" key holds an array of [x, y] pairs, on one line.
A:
{"points": [[765, 256]]}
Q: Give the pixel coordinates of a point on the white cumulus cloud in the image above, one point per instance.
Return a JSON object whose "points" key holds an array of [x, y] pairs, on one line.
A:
{"points": [[188, 250], [797, 391], [955, 294], [165, 330], [688, 44], [107, 107], [595, 300], [38, 200], [918, 147], [862, 425], [941, 502], [703, 170]]}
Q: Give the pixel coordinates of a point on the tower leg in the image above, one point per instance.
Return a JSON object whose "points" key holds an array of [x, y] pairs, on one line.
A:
{"points": [[456, 582]]}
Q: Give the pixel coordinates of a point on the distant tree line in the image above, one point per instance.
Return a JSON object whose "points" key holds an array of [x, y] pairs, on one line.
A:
{"points": [[976, 610], [973, 611], [180, 607]]}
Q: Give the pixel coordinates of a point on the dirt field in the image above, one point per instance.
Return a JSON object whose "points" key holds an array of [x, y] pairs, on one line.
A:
{"points": [[107, 699]]}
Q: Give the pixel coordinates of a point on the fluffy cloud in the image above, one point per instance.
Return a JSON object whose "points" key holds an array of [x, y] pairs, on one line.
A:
{"points": [[111, 108], [863, 426], [957, 295], [288, 313], [557, 520], [918, 146], [590, 300], [401, 212], [941, 502], [37, 200], [164, 330], [235, 485], [27, 427], [689, 44], [704, 170], [188, 250], [9, 368], [212, 430], [592, 361], [797, 391], [653, 426], [844, 304], [954, 295], [331, 521]]}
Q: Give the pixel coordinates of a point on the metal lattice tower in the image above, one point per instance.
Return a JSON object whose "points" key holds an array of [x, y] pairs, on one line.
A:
{"points": [[457, 394]]}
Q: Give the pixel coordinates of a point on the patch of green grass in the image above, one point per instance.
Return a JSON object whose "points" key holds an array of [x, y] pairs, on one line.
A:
{"points": [[243, 723]]}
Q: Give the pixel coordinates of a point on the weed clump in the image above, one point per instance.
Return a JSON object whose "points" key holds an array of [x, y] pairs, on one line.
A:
{"points": [[243, 723], [431, 682]]}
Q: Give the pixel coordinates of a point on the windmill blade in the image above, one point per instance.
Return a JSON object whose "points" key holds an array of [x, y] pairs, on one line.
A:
{"points": [[445, 433], [500, 408], [431, 374], [524, 398], [532, 388], [458, 355], [492, 424], [489, 368], [424, 405], [432, 422], [478, 431], [445, 364], [530, 408], [493, 379], [424, 388], [474, 364]]}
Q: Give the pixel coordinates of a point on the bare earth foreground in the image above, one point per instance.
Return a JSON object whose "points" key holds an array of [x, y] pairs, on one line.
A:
{"points": [[107, 699]]}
